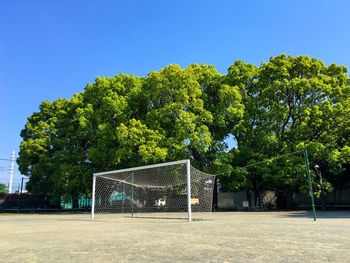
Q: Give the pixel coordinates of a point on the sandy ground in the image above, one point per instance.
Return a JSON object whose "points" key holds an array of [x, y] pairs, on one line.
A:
{"points": [[221, 237]]}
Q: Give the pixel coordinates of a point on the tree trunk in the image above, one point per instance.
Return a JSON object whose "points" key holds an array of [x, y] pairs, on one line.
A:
{"points": [[75, 201], [281, 200], [215, 195], [257, 200], [249, 196], [289, 199]]}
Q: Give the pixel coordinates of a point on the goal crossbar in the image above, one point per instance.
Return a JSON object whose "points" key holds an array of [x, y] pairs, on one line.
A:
{"points": [[141, 168]]}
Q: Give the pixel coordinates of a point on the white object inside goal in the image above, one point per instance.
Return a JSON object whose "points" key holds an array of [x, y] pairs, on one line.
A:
{"points": [[175, 189]]}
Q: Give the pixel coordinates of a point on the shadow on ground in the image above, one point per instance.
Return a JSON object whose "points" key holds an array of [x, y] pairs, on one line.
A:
{"points": [[319, 214]]}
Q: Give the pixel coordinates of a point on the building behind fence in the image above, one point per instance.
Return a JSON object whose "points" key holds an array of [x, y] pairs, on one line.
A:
{"points": [[338, 199]]}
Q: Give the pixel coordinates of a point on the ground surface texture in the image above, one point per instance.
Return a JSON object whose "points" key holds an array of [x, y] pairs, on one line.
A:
{"points": [[220, 237]]}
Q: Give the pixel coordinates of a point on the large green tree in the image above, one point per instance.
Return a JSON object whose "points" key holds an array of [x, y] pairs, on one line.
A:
{"points": [[53, 152], [280, 107], [125, 121], [291, 103]]}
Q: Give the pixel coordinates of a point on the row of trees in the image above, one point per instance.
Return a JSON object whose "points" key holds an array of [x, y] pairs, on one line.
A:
{"points": [[283, 106]]}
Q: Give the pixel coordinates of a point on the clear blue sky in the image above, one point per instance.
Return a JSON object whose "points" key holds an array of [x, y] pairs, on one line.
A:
{"points": [[51, 49]]}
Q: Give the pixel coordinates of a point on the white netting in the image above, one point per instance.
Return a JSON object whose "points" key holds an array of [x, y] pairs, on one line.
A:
{"points": [[153, 192]]}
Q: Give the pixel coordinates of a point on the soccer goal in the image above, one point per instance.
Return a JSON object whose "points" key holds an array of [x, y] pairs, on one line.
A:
{"points": [[173, 189]]}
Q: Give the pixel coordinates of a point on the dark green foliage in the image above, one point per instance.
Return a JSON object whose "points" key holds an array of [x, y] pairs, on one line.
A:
{"points": [[280, 107], [3, 188]]}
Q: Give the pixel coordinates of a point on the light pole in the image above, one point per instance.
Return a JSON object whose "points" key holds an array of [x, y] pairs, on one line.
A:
{"points": [[323, 200], [11, 173]]}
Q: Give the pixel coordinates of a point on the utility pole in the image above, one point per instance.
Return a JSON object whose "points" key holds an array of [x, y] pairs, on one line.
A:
{"points": [[11, 174]]}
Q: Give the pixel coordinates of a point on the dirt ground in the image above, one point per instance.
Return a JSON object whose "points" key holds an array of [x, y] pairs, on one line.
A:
{"points": [[221, 237]]}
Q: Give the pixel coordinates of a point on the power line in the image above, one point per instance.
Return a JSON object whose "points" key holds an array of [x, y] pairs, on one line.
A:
{"points": [[265, 161], [268, 160]]}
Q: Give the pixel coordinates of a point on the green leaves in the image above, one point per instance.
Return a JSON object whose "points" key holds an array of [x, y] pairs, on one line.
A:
{"points": [[3, 188], [292, 103], [282, 106], [140, 143]]}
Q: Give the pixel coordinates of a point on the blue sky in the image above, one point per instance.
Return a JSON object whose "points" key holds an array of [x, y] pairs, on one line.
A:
{"points": [[52, 49]]}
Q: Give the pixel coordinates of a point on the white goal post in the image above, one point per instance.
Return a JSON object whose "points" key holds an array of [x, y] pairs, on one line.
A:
{"points": [[172, 187]]}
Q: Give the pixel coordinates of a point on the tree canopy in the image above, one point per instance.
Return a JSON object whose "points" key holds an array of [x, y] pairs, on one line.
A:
{"points": [[3, 188], [279, 107]]}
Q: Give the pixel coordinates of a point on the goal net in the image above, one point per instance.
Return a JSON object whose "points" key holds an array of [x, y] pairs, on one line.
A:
{"points": [[174, 189]]}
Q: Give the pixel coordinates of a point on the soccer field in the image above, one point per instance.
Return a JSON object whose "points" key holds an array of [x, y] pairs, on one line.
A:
{"points": [[220, 237]]}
